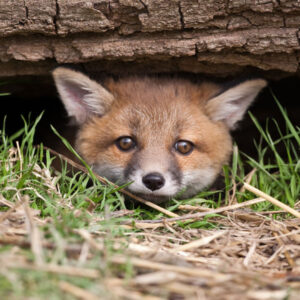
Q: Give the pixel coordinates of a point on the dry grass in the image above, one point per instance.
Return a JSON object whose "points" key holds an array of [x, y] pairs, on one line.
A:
{"points": [[249, 255], [252, 256]]}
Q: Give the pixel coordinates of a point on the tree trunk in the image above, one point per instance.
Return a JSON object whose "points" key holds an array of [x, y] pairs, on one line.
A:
{"points": [[220, 37]]}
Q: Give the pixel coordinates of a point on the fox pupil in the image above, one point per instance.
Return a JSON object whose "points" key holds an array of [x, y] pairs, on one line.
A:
{"points": [[125, 143], [184, 147]]}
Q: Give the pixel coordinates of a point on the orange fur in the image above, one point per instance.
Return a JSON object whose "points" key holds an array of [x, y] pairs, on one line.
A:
{"points": [[156, 113], [172, 116]]}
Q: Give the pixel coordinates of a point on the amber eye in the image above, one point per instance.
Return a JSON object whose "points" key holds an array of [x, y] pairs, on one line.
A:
{"points": [[184, 147], [125, 143]]}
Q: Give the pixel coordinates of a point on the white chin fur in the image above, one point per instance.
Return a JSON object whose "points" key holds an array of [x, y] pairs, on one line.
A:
{"points": [[196, 180], [192, 181], [169, 189]]}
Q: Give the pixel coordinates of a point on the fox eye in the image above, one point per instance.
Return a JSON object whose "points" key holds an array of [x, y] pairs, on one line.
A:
{"points": [[125, 143], [184, 147]]}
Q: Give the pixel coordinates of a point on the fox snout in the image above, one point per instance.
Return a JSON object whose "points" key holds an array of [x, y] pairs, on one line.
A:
{"points": [[164, 136], [153, 185], [152, 173], [153, 181]]}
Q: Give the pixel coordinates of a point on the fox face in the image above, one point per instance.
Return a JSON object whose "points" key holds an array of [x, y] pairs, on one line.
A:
{"points": [[165, 136]]}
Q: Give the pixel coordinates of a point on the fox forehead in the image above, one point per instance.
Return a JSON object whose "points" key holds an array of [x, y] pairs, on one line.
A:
{"points": [[155, 91]]}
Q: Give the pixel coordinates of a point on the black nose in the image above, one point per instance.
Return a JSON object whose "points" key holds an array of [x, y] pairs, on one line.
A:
{"points": [[153, 181]]}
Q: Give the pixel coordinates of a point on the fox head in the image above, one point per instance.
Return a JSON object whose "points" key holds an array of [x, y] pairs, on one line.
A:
{"points": [[165, 136]]}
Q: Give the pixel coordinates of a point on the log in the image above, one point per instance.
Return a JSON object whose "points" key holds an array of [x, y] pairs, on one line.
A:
{"points": [[220, 37]]}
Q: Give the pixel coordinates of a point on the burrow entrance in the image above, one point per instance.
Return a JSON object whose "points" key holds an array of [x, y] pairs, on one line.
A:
{"points": [[31, 95]]}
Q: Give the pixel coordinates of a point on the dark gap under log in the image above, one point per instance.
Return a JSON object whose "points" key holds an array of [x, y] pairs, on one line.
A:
{"points": [[32, 95]]}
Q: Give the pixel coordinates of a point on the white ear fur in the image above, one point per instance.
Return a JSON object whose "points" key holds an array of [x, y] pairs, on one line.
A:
{"points": [[231, 105], [81, 96]]}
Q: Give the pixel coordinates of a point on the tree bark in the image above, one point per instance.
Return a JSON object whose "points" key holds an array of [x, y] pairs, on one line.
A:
{"points": [[220, 37]]}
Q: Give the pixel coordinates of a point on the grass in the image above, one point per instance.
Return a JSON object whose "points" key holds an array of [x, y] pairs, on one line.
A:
{"points": [[89, 235], [277, 174]]}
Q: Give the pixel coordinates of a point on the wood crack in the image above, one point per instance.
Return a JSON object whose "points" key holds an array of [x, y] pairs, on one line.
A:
{"points": [[24, 20], [56, 16], [145, 6], [181, 16], [26, 10]]}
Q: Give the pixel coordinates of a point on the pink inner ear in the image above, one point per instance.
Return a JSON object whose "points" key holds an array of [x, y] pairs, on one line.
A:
{"points": [[75, 92], [75, 103]]}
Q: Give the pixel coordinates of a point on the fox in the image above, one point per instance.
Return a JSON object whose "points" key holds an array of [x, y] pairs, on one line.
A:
{"points": [[165, 136]]}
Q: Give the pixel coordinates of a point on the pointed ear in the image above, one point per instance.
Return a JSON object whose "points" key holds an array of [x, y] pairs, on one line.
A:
{"points": [[231, 105], [81, 96]]}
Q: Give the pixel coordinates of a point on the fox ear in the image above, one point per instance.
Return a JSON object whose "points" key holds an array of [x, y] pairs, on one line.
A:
{"points": [[231, 105], [81, 95]]}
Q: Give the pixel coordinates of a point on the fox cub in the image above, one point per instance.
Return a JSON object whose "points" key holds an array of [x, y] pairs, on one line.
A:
{"points": [[166, 136]]}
